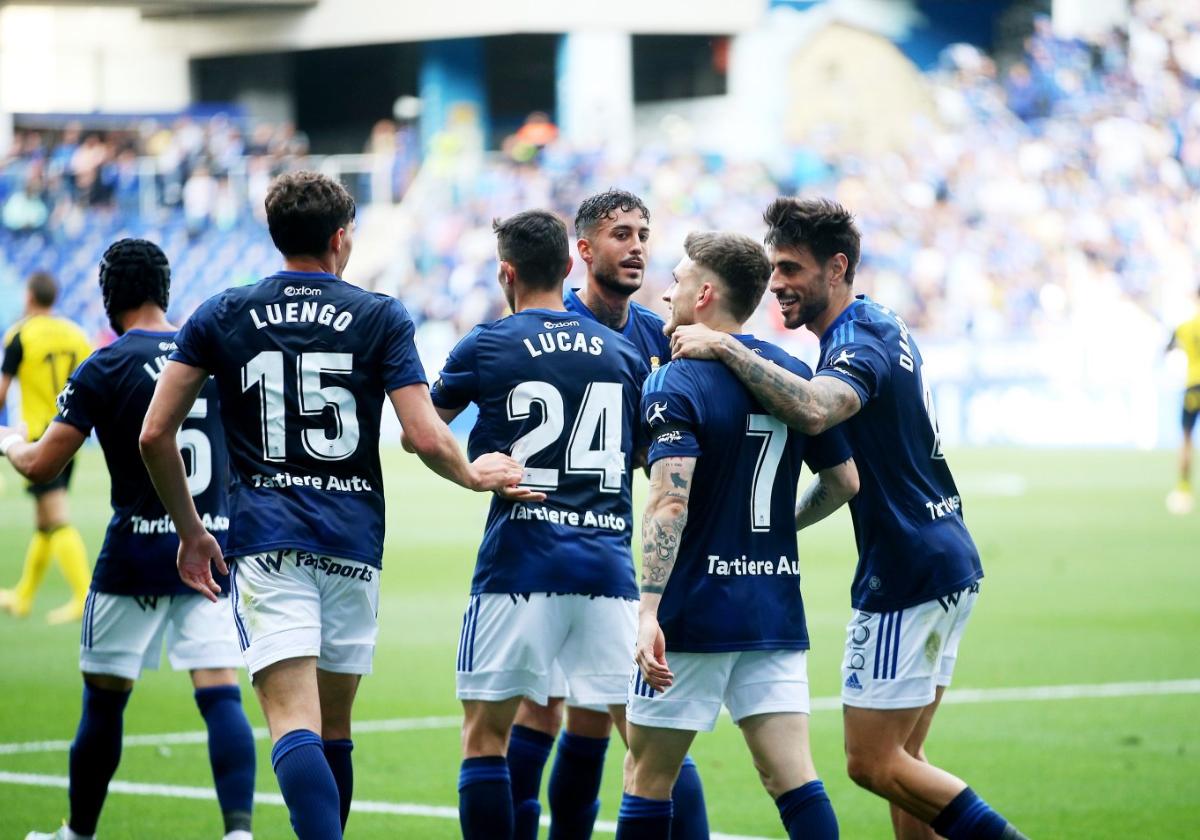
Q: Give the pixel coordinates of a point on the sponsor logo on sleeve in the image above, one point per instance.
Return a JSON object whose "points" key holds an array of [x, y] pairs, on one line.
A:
{"points": [[63, 396], [656, 413]]}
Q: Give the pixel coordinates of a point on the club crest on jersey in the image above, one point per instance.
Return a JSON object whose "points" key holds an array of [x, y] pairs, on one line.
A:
{"points": [[654, 363], [656, 413]]}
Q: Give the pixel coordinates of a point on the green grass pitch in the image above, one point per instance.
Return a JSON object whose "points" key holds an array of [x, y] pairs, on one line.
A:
{"points": [[1089, 581]]}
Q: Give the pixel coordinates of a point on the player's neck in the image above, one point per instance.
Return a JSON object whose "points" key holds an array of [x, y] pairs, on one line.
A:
{"points": [[146, 317], [838, 304], [610, 308], [540, 299], [324, 264], [34, 311], [722, 323]]}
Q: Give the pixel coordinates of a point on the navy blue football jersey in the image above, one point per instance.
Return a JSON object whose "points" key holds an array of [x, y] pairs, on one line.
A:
{"points": [[912, 543], [303, 362], [736, 581], [110, 393], [560, 394], [643, 328]]}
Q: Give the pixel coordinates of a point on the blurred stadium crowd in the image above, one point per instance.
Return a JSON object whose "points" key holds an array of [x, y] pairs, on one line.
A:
{"points": [[1066, 181]]}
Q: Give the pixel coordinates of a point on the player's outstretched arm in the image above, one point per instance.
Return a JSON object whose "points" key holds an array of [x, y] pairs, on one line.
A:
{"points": [[831, 489], [5, 384], [44, 459], [810, 406], [435, 445], [662, 531], [447, 415], [173, 397]]}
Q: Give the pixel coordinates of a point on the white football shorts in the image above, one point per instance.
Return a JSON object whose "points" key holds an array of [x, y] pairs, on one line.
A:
{"points": [[122, 635], [288, 604], [509, 646], [896, 660], [747, 682]]}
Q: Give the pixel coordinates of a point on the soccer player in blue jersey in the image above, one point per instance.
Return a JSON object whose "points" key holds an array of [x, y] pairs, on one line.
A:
{"points": [[136, 598], [721, 620], [918, 572], [554, 582], [612, 232], [302, 361]]}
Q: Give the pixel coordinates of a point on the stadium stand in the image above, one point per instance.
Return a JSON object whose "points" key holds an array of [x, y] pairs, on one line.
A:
{"points": [[1037, 194]]}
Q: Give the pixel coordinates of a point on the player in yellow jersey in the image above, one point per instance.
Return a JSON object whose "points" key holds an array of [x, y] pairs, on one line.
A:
{"points": [[41, 351], [1187, 338]]}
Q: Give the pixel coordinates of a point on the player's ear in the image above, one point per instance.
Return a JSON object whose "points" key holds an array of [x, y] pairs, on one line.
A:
{"points": [[585, 250], [508, 274], [705, 295], [335, 241], [570, 265], [838, 265]]}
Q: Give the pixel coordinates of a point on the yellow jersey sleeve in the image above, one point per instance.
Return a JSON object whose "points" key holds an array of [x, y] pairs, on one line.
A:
{"points": [[51, 349], [1187, 338]]}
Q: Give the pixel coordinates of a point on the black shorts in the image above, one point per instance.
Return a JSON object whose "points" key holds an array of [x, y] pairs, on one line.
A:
{"points": [[1191, 408], [60, 482]]}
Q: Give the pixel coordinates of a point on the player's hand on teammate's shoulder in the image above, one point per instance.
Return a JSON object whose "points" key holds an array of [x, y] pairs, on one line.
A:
{"points": [[651, 653], [695, 341], [197, 554], [500, 473]]}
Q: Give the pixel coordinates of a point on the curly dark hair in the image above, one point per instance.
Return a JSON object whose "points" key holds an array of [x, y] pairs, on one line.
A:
{"points": [[606, 205], [304, 209], [819, 224], [534, 242], [739, 261], [133, 272]]}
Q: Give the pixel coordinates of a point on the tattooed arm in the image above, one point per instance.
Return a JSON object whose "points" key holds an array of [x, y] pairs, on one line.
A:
{"points": [[662, 530], [831, 489], [810, 406]]}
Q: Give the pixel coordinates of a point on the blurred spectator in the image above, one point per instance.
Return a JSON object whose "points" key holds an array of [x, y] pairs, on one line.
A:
{"points": [[24, 211]]}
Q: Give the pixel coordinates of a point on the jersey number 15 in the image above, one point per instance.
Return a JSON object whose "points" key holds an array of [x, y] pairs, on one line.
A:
{"points": [[266, 371]]}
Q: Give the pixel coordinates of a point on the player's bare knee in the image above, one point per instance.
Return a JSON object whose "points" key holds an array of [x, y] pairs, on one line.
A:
{"points": [[213, 677], [866, 771], [644, 779], [545, 719], [108, 682], [588, 723], [482, 732], [335, 723]]}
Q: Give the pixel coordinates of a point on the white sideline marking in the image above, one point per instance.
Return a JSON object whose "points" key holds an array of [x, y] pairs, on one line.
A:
{"points": [[819, 704], [406, 809]]}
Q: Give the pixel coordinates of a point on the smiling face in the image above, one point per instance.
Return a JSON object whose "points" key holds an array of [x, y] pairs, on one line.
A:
{"points": [[801, 283], [682, 295], [616, 251]]}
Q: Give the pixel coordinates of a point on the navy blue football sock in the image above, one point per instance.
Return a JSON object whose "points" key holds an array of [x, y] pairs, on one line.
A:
{"points": [[307, 785], [337, 753], [230, 752], [643, 819], [807, 812], [690, 821], [95, 754], [485, 806], [528, 750], [575, 786], [968, 817]]}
